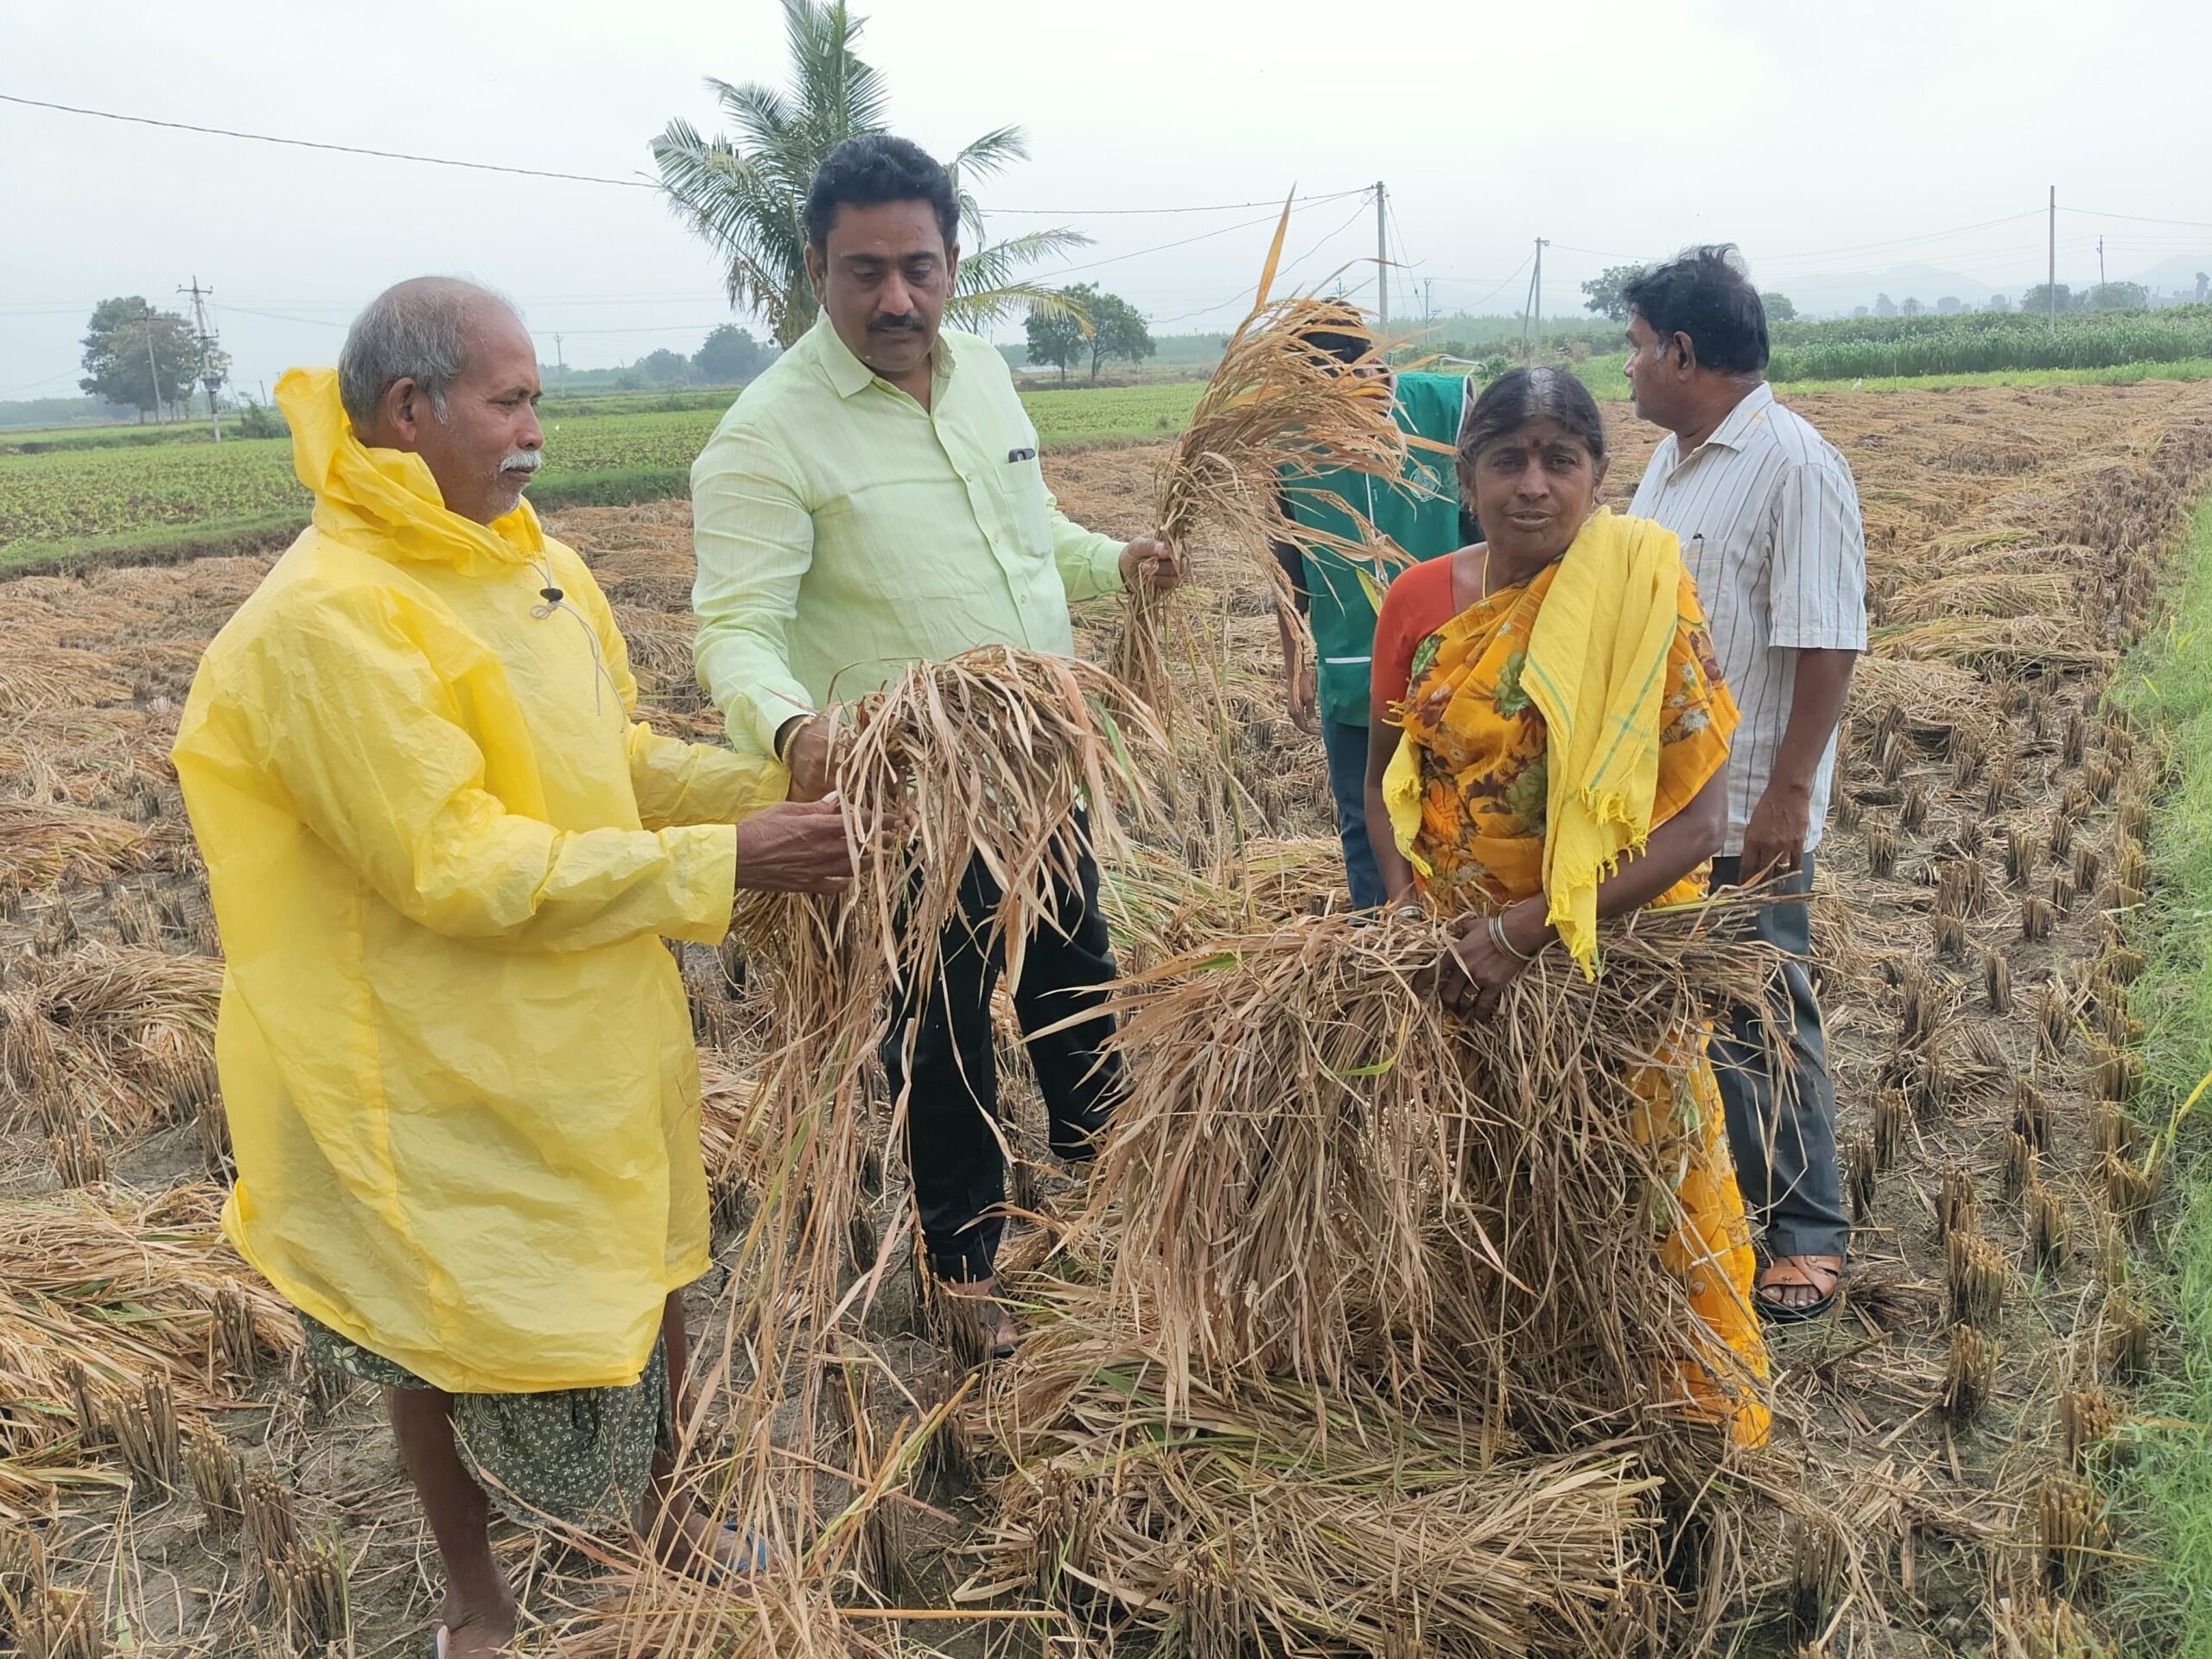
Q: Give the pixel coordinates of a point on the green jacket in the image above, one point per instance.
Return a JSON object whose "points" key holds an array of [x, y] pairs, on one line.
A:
{"points": [[1421, 515]]}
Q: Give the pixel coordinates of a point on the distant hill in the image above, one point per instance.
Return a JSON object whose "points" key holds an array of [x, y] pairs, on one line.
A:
{"points": [[1838, 295], [2175, 274]]}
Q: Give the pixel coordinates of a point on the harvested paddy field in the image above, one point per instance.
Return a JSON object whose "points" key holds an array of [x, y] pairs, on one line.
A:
{"points": [[173, 1482]]}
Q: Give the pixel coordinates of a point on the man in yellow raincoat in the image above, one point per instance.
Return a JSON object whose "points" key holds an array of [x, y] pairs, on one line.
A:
{"points": [[444, 856]]}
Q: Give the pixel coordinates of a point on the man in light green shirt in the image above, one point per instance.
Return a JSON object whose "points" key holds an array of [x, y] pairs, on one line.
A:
{"points": [[873, 500]]}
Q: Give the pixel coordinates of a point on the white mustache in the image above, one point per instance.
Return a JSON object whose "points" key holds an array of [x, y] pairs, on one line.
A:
{"points": [[524, 460]]}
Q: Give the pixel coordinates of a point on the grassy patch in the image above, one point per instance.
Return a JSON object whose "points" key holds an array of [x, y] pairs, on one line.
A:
{"points": [[2169, 681]]}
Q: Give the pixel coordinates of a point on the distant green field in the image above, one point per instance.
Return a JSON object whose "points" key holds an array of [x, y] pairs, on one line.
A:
{"points": [[130, 496]]}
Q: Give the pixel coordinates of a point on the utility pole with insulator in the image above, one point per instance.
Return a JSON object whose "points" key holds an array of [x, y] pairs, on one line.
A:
{"points": [[206, 337], [1382, 256]]}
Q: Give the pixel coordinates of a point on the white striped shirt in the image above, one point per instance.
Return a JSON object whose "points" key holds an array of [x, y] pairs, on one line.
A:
{"points": [[1767, 515]]}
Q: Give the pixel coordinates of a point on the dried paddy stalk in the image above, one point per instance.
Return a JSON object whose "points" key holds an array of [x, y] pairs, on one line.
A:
{"points": [[2019, 1164], [1956, 1209], [2036, 918], [1276, 410], [1848, 811], [99, 1294], [2019, 856], [118, 1024], [1889, 1127], [2072, 746], [1970, 1376], [1881, 847], [1859, 1166], [2087, 1417], [2073, 1534], [1949, 938], [2031, 1114], [1319, 1175], [1997, 981], [2129, 1187], [1271, 1517], [218, 1476], [2059, 839], [1817, 1564], [2125, 1347], [2050, 1229], [1976, 1279], [1912, 812], [2053, 1020], [2086, 866]]}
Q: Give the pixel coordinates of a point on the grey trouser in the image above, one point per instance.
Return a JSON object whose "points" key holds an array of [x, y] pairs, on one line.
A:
{"points": [[1783, 1137]]}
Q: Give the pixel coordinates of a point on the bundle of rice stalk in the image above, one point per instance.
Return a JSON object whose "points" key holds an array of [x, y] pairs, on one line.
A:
{"points": [[42, 845], [1276, 410], [660, 644], [35, 678], [1994, 644], [1319, 1175], [2044, 593], [1001, 758], [132, 1027], [1931, 697], [117, 1289], [1269, 1517], [1160, 907]]}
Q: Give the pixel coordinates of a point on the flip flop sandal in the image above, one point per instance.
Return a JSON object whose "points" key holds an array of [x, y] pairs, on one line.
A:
{"points": [[1786, 1277]]}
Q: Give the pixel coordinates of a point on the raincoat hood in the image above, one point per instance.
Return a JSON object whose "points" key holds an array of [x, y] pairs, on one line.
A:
{"points": [[386, 499]]}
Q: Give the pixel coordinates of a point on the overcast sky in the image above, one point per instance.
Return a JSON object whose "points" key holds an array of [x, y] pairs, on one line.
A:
{"points": [[1825, 140]]}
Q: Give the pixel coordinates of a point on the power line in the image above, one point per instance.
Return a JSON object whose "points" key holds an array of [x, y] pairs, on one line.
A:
{"points": [[574, 178], [312, 144], [1209, 207], [2140, 219]]}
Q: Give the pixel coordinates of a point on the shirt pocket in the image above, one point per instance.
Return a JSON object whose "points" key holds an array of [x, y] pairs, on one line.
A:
{"points": [[1017, 492]]}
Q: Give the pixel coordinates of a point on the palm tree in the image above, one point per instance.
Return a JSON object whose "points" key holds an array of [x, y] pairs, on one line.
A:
{"points": [[747, 196]]}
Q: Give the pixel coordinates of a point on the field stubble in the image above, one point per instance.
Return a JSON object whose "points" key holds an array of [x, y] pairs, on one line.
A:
{"points": [[1940, 1437]]}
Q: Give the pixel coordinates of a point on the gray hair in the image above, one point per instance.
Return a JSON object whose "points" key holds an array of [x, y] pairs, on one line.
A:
{"points": [[416, 330]]}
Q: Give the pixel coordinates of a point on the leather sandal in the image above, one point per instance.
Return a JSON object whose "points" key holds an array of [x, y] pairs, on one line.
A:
{"points": [[1792, 1272]]}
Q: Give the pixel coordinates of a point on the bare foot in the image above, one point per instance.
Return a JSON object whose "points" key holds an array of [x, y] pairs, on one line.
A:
{"points": [[476, 1632], [684, 1538], [1795, 1284], [1001, 1336]]}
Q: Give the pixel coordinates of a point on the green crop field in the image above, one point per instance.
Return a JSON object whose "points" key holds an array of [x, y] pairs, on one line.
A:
{"points": [[79, 497]]}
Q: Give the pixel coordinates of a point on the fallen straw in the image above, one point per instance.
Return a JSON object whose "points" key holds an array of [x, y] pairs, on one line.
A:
{"points": [[1276, 410], [1271, 1517], [1319, 1175]]}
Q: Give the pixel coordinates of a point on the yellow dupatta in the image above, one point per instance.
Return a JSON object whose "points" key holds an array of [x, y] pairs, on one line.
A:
{"points": [[1595, 672]]}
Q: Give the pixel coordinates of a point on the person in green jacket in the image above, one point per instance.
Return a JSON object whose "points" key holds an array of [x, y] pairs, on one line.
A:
{"points": [[1340, 596]]}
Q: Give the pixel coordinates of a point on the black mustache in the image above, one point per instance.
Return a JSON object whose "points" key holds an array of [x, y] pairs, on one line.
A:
{"points": [[909, 324]]}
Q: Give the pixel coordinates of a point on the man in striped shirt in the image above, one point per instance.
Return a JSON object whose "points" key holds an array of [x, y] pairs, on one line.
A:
{"points": [[1767, 515]]}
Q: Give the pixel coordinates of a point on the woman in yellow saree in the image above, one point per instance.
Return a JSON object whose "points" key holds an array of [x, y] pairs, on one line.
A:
{"points": [[1549, 746]]}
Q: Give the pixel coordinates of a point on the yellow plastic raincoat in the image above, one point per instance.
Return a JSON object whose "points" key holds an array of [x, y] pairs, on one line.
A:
{"points": [[456, 1057]]}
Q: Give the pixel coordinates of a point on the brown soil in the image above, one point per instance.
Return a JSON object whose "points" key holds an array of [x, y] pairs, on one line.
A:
{"points": [[1939, 1511]]}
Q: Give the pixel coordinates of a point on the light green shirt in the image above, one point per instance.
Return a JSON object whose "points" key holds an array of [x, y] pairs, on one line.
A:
{"points": [[845, 533]]}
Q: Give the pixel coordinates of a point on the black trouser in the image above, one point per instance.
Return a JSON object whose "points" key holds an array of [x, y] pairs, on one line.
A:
{"points": [[1783, 1130], [959, 1170]]}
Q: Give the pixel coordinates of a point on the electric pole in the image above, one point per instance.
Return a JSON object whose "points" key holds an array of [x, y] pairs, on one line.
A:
{"points": [[560, 364], [153, 374], [1381, 256], [206, 336], [2100, 262], [1532, 315], [2051, 282]]}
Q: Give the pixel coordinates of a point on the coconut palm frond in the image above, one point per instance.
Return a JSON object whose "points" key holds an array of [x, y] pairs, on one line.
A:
{"points": [[976, 310], [744, 194]]}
